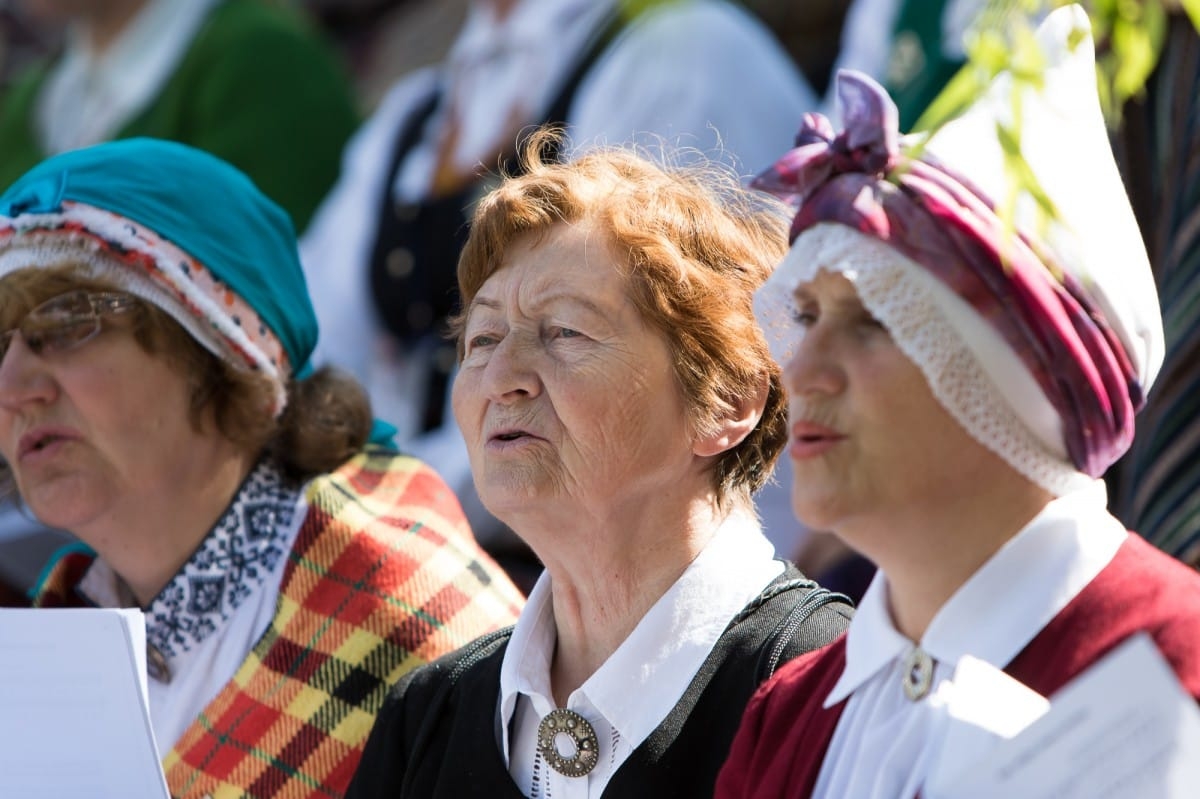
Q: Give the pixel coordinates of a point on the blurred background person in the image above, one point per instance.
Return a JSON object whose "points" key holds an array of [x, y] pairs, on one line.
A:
{"points": [[810, 32], [381, 40], [247, 80], [156, 401], [956, 392], [381, 253], [620, 407]]}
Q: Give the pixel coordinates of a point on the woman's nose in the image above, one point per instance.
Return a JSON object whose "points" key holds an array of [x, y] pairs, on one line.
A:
{"points": [[23, 377], [511, 372], [813, 368]]}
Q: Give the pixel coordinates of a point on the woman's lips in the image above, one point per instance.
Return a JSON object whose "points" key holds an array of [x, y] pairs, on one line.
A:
{"points": [[507, 439], [811, 440], [43, 442]]}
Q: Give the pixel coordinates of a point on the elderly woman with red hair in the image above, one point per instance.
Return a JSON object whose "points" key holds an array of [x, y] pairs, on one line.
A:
{"points": [[620, 407], [956, 390]]}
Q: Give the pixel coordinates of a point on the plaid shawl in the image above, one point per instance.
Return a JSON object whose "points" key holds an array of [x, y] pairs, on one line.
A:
{"points": [[384, 576]]}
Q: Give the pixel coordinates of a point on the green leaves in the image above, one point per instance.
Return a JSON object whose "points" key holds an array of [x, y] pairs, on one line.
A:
{"points": [[1129, 37], [1192, 7], [1003, 40]]}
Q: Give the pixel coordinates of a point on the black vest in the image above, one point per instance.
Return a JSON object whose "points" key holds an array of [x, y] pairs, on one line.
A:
{"points": [[414, 260], [435, 737]]}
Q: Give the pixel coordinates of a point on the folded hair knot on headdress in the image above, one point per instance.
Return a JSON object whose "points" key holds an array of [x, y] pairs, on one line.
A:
{"points": [[1070, 344], [866, 148]]}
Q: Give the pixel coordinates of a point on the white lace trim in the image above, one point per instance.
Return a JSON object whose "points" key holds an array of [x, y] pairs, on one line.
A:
{"points": [[223, 322], [978, 379]]}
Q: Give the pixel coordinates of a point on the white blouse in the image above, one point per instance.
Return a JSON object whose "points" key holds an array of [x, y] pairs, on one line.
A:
{"points": [[636, 688], [886, 746], [497, 72], [89, 96]]}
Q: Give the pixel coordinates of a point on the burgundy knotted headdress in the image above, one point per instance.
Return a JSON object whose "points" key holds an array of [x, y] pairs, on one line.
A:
{"points": [[1047, 307]]}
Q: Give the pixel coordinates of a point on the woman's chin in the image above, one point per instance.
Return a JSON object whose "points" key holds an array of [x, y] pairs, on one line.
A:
{"points": [[816, 512], [61, 504], [513, 492]]}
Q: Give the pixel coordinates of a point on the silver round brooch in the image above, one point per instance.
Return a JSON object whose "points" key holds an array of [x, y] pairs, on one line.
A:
{"points": [[918, 674], [562, 726]]}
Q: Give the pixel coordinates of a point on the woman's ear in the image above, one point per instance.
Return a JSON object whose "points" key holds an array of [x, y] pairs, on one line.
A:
{"points": [[737, 423]]}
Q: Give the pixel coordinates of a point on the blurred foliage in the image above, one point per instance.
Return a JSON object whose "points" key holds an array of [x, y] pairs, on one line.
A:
{"points": [[1128, 34]]}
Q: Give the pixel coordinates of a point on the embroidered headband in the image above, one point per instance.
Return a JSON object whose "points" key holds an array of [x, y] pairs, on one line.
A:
{"points": [[181, 229], [1064, 327]]}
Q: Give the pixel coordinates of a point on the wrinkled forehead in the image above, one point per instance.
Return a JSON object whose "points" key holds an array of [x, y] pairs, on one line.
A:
{"points": [[514, 247], [552, 258]]}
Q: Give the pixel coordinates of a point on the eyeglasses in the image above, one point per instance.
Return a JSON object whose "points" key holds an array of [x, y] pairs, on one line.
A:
{"points": [[67, 321]]}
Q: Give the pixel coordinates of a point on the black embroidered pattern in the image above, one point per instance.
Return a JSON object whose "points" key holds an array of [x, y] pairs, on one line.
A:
{"points": [[235, 558], [535, 791]]}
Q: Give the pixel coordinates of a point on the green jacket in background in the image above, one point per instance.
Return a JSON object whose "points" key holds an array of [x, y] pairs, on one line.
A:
{"points": [[258, 87]]}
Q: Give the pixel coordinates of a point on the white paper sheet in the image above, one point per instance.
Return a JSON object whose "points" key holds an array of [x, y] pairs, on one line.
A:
{"points": [[74, 720], [983, 706], [1124, 728]]}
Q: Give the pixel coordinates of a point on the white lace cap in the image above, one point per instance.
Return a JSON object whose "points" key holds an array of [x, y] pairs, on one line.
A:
{"points": [[1000, 405]]}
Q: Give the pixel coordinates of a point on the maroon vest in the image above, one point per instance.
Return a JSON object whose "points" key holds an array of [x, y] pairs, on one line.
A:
{"points": [[785, 732]]}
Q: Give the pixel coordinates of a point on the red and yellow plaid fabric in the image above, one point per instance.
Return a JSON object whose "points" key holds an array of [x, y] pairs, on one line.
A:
{"points": [[384, 576]]}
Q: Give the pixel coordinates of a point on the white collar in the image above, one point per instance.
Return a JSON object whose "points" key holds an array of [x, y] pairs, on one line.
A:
{"points": [[501, 76], [1004, 604], [644, 678], [530, 25], [126, 76]]}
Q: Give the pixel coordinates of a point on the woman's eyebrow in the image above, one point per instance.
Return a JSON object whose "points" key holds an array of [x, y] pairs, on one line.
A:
{"points": [[483, 302], [573, 298]]}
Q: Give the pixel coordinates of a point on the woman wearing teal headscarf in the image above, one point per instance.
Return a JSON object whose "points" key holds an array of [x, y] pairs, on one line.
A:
{"points": [[156, 401]]}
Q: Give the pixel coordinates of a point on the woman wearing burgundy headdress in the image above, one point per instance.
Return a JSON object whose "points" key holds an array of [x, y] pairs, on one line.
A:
{"points": [[955, 392]]}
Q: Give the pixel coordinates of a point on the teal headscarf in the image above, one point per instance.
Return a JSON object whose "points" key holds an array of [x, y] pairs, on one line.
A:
{"points": [[197, 202]]}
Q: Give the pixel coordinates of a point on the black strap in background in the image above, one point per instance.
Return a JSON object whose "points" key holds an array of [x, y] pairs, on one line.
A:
{"points": [[414, 258], [795, 634]]}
